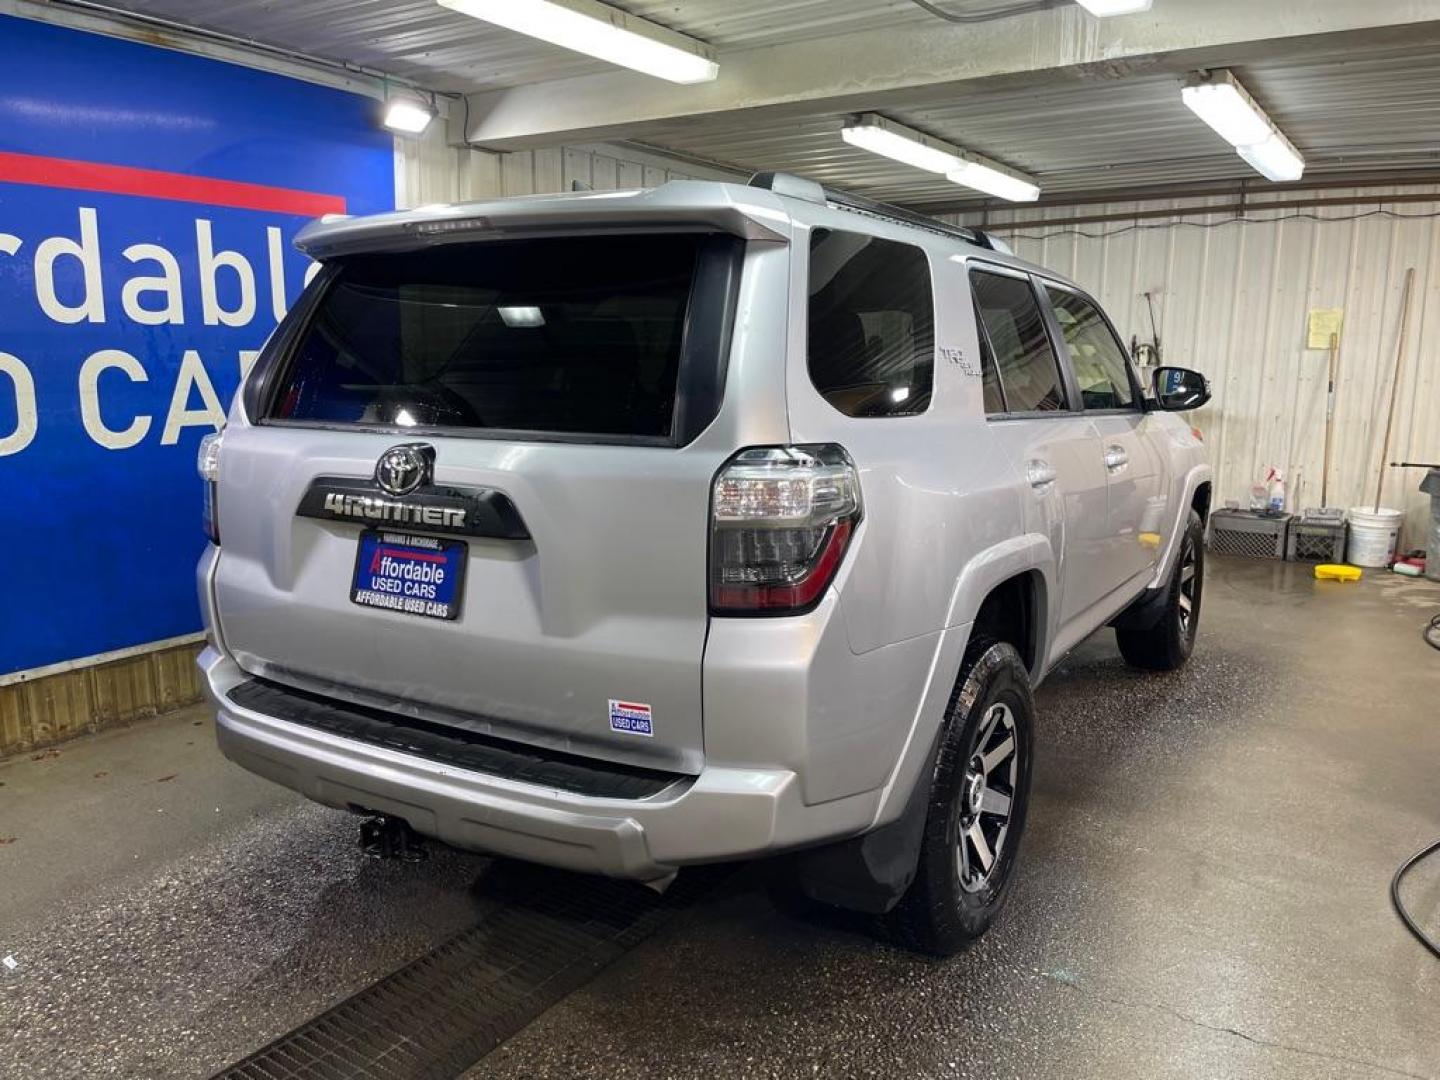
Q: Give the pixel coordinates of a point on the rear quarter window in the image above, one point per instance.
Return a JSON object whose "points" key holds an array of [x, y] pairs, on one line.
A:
{"points": [[871, 325]]}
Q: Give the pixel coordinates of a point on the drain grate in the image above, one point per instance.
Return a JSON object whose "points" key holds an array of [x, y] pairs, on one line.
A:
{"points": [[440, 1014]]}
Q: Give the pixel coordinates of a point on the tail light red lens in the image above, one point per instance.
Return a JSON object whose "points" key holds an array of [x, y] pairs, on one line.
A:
{"points": [[781, 520]]}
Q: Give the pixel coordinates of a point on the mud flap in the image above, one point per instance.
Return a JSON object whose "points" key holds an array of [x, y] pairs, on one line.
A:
{"points": [[870, 873]]}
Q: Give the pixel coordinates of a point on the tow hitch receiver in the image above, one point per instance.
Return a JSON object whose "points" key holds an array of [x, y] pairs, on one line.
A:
{"points": [[386, 837]]}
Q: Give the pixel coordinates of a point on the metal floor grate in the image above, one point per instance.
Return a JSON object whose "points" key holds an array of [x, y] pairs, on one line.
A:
{"points": [[440, 1014]]}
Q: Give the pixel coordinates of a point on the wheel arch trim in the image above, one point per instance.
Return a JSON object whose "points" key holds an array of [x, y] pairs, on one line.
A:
{"points": [[1196, 476], [1029, 553]]}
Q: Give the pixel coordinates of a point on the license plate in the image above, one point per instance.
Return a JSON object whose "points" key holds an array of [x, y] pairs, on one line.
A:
{"points": [[415, 575]]}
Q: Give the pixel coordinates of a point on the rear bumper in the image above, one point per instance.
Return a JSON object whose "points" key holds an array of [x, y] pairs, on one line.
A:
{"points": [[723, 813]]}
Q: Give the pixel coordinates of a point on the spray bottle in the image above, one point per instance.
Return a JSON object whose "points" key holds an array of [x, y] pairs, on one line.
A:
{"points": [[1276, 481]]}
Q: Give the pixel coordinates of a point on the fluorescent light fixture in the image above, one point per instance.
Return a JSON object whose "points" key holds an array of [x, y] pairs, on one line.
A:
{"points": [[408, 116], [875, 133], [1275, 158], [1224, 104], [601, 31], [1105, 8], [899, 143], [994, 179], [522, 317], [1220, 100]]}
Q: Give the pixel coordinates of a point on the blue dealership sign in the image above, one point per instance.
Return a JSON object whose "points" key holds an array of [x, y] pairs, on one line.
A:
{"points": [[148, 200]]}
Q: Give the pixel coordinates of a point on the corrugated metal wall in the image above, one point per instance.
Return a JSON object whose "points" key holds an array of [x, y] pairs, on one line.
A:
{"points": [[428, 171], [1231, 299]]}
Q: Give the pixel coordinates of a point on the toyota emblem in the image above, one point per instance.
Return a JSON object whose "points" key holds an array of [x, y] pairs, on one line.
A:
{"points": [[404, 468]]}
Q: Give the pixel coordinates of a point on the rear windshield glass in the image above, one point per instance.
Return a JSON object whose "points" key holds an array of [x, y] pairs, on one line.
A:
{"points": [[871, 325], [578, 335]]}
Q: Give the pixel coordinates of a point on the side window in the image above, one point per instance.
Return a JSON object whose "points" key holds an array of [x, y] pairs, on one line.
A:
{"points": [[871, 348], [989, 376], [1012, 320], [1101, 369]]}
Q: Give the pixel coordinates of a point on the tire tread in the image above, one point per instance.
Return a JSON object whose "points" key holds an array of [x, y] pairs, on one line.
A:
{"points": [[924, 920]]}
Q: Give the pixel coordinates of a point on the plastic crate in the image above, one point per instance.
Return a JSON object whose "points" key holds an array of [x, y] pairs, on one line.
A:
{"points": [[1246, 533], [1317, 536]]}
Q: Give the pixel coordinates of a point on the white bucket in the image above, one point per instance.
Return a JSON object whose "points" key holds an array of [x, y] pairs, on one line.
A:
{"points": [[1373, 536]]}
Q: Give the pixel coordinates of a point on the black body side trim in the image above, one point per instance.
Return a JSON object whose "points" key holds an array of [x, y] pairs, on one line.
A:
{"points": [[453, 746], [430, 508]]}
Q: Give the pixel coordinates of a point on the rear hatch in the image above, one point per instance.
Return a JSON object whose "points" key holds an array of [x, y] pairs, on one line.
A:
{"points": [[550, 561]]}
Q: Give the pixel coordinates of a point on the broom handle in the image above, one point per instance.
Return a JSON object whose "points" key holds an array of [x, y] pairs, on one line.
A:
{"points": [[1329, 423], [1395, 383]]}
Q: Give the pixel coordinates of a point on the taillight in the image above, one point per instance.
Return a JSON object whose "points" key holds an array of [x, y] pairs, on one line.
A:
{"points": [[780, 520], [208, 462]]}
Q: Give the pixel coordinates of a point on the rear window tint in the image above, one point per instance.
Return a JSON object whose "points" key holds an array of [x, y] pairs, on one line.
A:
{"points": [[872, 324], [577, 335]]}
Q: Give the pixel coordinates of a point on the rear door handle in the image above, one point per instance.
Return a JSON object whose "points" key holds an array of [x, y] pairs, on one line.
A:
{"points": [[1040, 474], [1116, 458]]}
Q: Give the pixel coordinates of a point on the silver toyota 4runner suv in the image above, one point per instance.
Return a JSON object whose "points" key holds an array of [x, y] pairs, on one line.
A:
{"points": [[634, 530]]}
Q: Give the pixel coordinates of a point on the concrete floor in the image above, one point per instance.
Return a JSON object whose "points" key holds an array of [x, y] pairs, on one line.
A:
{"points": [[1202, 893]]}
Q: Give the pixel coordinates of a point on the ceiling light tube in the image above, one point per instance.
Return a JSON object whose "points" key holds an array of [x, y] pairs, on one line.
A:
{"points": [[1224, 104], [872, 132], [994, 179], [601, 31], [1275, 158], [521, 317], [408, 116], [875, 133], [1218, 98], [1105, 8]]}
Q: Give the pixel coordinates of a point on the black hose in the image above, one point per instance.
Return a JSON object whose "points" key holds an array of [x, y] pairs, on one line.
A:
{"points": [[986, 16], [1410, 924], [1431, 632]]}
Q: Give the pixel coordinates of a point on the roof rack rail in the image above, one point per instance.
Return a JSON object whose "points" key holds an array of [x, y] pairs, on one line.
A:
{"points": [[788, 184]]}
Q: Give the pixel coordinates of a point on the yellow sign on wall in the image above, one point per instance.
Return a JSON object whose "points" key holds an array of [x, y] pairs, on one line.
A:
{"points": [[1323, 323]]}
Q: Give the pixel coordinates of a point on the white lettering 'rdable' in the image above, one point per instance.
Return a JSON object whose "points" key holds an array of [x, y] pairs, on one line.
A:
{"points": [[70, 276]]}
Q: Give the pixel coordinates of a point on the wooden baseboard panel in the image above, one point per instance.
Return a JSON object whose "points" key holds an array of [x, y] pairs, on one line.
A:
{"points": [[48, 710]]}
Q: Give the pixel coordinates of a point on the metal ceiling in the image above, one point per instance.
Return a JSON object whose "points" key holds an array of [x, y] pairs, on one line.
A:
{"points": [[1376, 111], [1349, 105], [420, 41]]}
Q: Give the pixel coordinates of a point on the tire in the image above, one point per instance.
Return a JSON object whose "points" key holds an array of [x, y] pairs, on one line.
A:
{"points": [[955, 896], [1167, 644]]}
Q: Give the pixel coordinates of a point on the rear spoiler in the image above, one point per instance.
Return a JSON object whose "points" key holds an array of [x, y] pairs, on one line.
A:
{"points": [[677, 205]]}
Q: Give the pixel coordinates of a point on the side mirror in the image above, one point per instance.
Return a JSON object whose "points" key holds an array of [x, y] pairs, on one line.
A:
{"points": [[1178, 389]]}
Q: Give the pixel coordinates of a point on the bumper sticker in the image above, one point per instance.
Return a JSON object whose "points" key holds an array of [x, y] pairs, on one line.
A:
{"points": [[630, 718]]}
